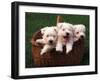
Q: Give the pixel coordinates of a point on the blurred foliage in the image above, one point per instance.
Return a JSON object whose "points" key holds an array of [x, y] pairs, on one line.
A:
{"points": [[35, 21]]}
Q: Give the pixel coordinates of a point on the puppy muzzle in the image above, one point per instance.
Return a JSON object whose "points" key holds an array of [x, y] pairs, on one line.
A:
{"points": [[66, 36], [51, 42], [82, 37]]}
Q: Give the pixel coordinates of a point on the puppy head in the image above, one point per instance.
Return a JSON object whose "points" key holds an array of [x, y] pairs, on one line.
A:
{"points": [[49, 34], [79, 31], [65, 30]]}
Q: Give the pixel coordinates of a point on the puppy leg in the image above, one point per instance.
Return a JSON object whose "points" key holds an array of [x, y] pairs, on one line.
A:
{"points": [[59, 47], [45, 49], [41, 41], [69, 46]]}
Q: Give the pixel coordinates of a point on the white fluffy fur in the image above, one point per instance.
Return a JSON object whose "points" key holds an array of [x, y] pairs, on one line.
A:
{"points": [[65, 34], [63, 38], [49, 34], [79, 31]]}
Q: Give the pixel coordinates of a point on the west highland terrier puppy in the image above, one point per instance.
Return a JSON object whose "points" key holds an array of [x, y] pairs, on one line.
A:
{"points": [[79, 31], [65, 37], [49, 38]]}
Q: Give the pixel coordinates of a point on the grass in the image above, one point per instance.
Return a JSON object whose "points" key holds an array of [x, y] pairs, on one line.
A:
{"points": [[36, 21]]}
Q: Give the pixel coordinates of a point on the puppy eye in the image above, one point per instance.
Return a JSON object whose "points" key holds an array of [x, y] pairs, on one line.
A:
{"points": [[63, 29], [47, 35], [77, 32], [54, 36]]}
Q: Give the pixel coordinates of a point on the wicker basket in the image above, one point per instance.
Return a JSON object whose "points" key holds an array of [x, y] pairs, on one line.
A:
{"points": [[54, 58]]}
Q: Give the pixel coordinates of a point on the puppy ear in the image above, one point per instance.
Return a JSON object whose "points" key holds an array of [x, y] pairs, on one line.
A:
{"points": [[71, 27], [43, 30], [74, 27], [56, 29], [84, 27], [59, 25]]}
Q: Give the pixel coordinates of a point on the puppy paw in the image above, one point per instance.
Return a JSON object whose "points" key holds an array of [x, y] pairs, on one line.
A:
{"points": [[68, 50], [38, 41], [42, 52], [59, 49]]}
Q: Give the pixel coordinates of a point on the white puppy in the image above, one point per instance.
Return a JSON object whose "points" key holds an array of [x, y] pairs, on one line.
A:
{"points": [[79, 31], [49, 38], [65, 37]]}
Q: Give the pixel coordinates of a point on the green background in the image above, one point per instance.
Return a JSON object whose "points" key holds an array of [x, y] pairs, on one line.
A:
{"points": [[35, 21]]}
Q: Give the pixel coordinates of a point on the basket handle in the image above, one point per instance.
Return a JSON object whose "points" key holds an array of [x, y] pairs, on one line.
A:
{"points": [[59, 19]]}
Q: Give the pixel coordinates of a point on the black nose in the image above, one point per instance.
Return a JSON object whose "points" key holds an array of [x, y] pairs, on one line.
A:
{"points": [[67, 34], [51, 41], [82, 36]]}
